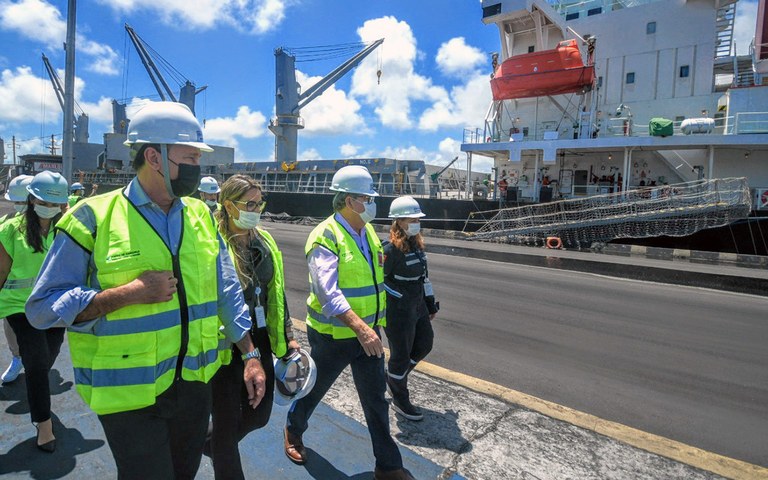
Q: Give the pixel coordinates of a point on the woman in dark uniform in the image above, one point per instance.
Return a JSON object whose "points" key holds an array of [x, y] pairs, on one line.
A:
{"points": [[411, 302]]}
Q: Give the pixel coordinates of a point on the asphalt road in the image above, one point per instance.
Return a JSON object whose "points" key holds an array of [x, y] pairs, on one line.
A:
{"points": [[685, 363]]}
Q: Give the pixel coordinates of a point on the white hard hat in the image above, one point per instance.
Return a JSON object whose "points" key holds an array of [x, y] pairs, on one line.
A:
{"points": [[168, 123], [76, 186], [49, 187], [353, 179], [209, 185], [17, 188], [295, 376], [405, 207]]}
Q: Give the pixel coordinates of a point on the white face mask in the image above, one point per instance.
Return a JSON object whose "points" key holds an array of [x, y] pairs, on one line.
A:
{"points": [[20, 208], [247, 220], [46, 212], [413, 229], [370, 211], [210, 203]]}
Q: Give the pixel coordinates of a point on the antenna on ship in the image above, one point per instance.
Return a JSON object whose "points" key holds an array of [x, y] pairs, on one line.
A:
{"points": [[289, 99]]}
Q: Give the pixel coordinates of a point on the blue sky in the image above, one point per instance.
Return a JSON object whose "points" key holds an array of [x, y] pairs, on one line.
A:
{"points": [[435, 62]]}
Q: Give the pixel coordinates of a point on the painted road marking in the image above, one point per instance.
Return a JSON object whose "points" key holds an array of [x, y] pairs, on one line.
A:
{"points": [[678, 451]]}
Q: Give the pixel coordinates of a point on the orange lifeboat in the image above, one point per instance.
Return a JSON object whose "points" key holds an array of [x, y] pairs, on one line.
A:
{"points": [[549, 72]]}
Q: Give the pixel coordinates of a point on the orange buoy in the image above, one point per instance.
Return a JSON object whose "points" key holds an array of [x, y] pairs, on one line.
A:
{"points": [[554, 243]]}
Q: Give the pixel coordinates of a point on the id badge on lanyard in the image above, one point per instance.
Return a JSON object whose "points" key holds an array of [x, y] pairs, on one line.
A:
{"points": [[258, 311], [428, 288]]}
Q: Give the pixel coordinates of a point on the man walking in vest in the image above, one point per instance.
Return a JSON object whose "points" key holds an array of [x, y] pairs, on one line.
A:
{"points": [[346, 307], [143, 281]]}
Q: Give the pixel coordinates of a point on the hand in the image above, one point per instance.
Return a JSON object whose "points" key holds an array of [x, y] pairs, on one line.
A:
{"points": [[155, 286], [293, 344], [255, 381], [370, 341], [432, 316]]}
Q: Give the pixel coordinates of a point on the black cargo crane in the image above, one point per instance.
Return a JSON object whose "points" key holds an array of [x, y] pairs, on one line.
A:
{"points": [[81, 122], [188, 90]]}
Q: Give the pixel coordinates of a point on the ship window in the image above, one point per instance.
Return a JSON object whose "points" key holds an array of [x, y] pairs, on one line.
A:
{"points": [[492, 10], [650, 28], [531, 48], [525, 131], [599, 82], [594, 11], [572, 16], [679, 118], [685, 70], [630, 77]]}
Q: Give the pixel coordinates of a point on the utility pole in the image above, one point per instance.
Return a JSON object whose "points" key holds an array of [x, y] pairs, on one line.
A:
{"points": [[53, 145], [13, 144], [69, 94]]}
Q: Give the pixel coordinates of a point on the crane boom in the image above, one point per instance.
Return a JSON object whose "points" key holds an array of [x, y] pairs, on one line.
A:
{"points": [[149, 65], [55, 80], [288, 102]]}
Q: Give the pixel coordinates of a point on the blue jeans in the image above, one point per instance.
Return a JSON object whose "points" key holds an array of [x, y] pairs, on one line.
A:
{"points": [[331, 358]]}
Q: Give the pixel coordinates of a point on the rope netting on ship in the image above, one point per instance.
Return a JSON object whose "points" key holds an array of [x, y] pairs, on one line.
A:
{"points": [[673, 210]]}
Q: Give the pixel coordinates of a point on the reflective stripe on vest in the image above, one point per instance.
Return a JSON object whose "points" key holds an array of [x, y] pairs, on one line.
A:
{"points": [[362, 288], [134, 354], [24, 267]]}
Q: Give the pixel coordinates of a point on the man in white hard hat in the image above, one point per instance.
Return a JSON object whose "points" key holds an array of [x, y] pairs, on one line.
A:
{"points": [[345, 310], [143, 281], [209, 192]]}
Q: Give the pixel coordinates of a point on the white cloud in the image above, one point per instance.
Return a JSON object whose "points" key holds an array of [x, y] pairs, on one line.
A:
{"points": [[349, 150], [250, 16], [331, 113], [745, 25], [245, 124], [466, 103], [40, 21], [400, 84], [455, 57], [26, 92], [310, 154]]}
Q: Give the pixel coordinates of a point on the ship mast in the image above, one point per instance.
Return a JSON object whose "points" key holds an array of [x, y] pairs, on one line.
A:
{"points": [[69, 93]]}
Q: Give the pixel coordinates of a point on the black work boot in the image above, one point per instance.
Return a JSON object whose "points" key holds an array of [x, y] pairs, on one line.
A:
{"points": [[401, 401]]}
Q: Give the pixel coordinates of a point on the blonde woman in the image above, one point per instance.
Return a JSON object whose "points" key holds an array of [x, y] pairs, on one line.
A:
{"points": [[259, 265]]}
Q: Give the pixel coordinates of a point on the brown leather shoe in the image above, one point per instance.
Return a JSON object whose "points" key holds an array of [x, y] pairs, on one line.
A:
{"points": [[400, 474], [294, 448]]}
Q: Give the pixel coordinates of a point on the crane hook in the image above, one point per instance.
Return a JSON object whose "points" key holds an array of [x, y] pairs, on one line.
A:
{"points": [[378, 77]]}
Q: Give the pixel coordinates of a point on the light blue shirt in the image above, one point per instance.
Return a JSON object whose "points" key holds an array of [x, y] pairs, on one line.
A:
{"points": [[324, 271], [61, 292]]}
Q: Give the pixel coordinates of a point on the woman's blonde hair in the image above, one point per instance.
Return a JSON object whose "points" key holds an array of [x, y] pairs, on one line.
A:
{"points": [[233, 189]]}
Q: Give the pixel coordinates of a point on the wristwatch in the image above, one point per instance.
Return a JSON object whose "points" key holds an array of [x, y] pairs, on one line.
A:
{"points": [[252, 354]]}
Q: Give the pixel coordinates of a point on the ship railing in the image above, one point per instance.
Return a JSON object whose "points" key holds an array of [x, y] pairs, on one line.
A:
{"points": [[571, 10], [750, 122]]}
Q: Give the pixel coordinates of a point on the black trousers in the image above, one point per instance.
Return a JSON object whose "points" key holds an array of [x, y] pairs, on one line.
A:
{"points": [[410, 341], [39, 349], [162, 441], [232, 417]]}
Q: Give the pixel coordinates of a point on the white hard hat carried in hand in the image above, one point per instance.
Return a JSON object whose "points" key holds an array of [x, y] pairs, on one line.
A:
{"points": [[169, 123], [295, 375], [354, 179], [209, 185], [17, 188], [49, 187], [405, 207]]}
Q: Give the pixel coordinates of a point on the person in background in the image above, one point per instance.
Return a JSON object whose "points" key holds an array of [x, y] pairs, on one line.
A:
{"points": [[142, 279], [259, 265], [78, 193], [411, 305], [16, 193], [345, 309], [209, 193], [24, 241]]}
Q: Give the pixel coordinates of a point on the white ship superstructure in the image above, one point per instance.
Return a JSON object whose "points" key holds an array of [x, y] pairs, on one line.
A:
{"points": [[672, 60]]}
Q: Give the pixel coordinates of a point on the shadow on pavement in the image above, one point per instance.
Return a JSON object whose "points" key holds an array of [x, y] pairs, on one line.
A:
{"points": [[25, 457], [321, 469], [447, 423]]}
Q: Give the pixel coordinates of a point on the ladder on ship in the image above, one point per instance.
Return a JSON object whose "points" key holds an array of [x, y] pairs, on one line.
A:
{"points": [[726, 16]]}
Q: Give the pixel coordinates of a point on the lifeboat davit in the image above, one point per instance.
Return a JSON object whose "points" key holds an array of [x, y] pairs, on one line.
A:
{"points": [[549, 72]]}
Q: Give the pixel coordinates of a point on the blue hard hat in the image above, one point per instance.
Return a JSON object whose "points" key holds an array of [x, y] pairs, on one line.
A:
{"points": [[49, 187]]}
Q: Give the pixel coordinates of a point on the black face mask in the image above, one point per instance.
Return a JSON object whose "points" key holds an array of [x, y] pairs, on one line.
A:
{"points": [[187, 181]]}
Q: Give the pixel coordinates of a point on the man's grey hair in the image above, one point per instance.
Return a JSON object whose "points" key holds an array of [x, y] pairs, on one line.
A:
{"points": [[340, 200]]}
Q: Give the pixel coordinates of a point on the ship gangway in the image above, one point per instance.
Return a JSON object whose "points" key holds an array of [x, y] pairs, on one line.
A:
{"points": [[673, 210]]}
